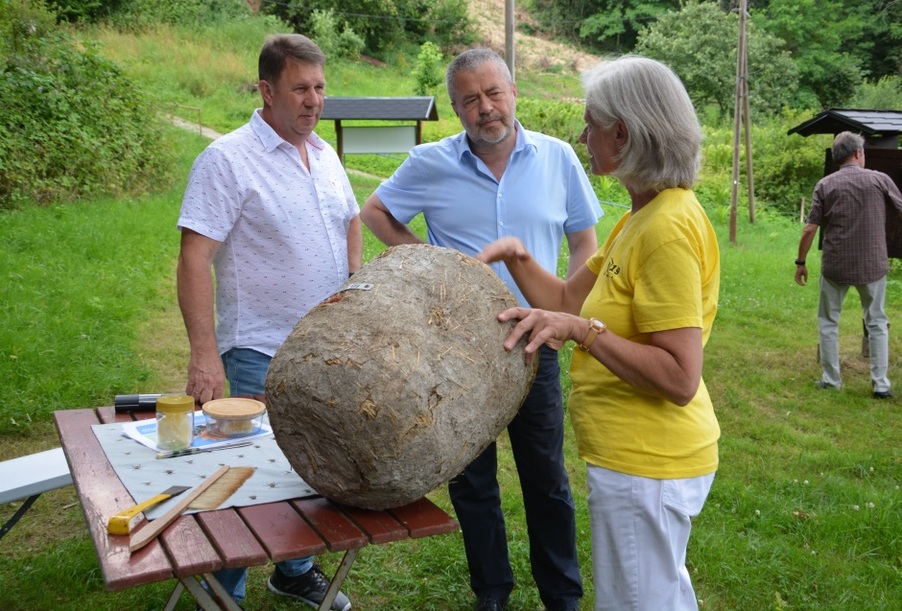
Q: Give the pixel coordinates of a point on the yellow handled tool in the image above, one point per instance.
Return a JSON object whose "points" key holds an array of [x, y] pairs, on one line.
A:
{"points": [[150, 531], [123, 522]]}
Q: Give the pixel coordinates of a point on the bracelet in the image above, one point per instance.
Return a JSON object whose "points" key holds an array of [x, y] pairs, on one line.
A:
{"points": [[800, 261]]}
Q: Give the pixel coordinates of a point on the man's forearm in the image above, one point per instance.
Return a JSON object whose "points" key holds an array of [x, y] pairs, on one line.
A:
{"points": [[196, 305]]}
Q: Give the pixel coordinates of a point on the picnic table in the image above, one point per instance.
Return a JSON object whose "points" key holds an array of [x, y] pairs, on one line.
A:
{"points": [[197, 544]]}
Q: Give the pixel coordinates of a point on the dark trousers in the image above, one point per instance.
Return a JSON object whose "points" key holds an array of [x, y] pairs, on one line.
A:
{"points": [[537, 440]]}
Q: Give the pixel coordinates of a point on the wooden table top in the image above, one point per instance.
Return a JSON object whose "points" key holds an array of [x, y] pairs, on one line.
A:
{"points": [[233, 537]]}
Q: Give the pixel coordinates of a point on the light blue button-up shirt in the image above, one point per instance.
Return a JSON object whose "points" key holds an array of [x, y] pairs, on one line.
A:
{"points": [[543, 194]]}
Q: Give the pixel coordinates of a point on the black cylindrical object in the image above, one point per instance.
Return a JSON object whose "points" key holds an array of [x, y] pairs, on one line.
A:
{"points": [[141, 402]]}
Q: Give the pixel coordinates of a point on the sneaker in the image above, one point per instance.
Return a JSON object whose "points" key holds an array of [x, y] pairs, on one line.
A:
{"points": [[309, 588], [825, 385], [489, 603], [883, 394]]}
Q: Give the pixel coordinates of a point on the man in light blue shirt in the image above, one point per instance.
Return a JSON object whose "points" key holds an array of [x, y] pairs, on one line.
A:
{"points": [[492, 180]]}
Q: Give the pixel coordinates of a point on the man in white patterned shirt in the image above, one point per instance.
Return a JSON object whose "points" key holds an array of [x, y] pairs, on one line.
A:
{"points": [[270, 209]]}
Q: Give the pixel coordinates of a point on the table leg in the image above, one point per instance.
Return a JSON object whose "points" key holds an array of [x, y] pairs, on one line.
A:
{"points": [[214, 601], [174, 597], [335, 585], [18, 515]]}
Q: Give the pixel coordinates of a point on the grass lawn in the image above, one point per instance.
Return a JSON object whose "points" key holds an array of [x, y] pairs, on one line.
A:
{"points": [[805, 513]]}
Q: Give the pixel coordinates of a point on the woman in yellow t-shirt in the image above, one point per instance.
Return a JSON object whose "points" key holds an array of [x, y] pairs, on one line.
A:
{"points": [[643, 419]]}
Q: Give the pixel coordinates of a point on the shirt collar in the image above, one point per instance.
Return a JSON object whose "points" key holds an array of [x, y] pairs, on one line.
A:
{"points": [[271, 140]]}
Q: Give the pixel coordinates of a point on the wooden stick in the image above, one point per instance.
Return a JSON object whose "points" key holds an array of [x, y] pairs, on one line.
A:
{"points": [[151, 531]]}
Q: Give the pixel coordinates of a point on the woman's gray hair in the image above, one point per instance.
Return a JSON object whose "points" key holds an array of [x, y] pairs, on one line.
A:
{"points": [[469, 61], [844, 146], [663, 149]]}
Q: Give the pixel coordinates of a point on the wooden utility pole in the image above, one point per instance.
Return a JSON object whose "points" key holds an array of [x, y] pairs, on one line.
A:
{"points": [[741, 114], [509, 36]]}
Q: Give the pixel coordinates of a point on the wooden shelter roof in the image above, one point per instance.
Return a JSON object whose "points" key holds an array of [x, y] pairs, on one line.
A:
{"points": [[868, 123], [418, 108]]}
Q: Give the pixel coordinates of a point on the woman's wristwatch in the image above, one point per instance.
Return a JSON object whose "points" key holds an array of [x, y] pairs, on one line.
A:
{"points": [[595, 328]]}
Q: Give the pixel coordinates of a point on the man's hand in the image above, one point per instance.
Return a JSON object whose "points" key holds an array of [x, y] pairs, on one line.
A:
{"points": [[206, 378], [801, 275], [808, 233]]}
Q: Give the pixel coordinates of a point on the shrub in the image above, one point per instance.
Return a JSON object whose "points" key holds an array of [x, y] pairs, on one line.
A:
{"points": [[785, 167], [429, 71], [72, 124], [80, 10], [335, 44], [884, 94], [138, 15], [385, 25]]}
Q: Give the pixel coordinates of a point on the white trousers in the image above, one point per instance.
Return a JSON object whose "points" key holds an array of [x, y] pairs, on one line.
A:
{"points": [[640, 530], [873, 298]]}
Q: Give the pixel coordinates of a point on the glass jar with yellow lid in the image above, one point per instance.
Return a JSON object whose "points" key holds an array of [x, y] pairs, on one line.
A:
{"points": [[175, 422]]}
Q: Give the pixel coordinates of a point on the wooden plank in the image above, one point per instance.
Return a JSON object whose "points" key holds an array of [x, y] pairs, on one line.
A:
{"points": [[108, 414], [282, 531], [424, 518], [101, 495], [230, 536], [379, 526], [339, 532], [189, 550]]}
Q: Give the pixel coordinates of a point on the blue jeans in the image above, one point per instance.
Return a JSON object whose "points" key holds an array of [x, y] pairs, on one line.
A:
{"points": [[245, 371]]}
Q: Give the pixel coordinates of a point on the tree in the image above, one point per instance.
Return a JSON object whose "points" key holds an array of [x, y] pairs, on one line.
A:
{"points": [[617, 24], [604, 25], [699, 43], [384, 24], [867, 31], [820, 35]]}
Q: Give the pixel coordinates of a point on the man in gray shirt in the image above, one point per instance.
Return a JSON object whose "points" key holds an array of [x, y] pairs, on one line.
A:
{"points": [[850, 207]]}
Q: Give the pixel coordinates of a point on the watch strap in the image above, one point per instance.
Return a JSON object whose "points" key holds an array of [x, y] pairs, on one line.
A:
{"points": [[595, 327]]}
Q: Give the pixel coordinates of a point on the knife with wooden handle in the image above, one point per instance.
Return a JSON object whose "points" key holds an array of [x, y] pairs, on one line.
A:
{"points": [[152, 530]]}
